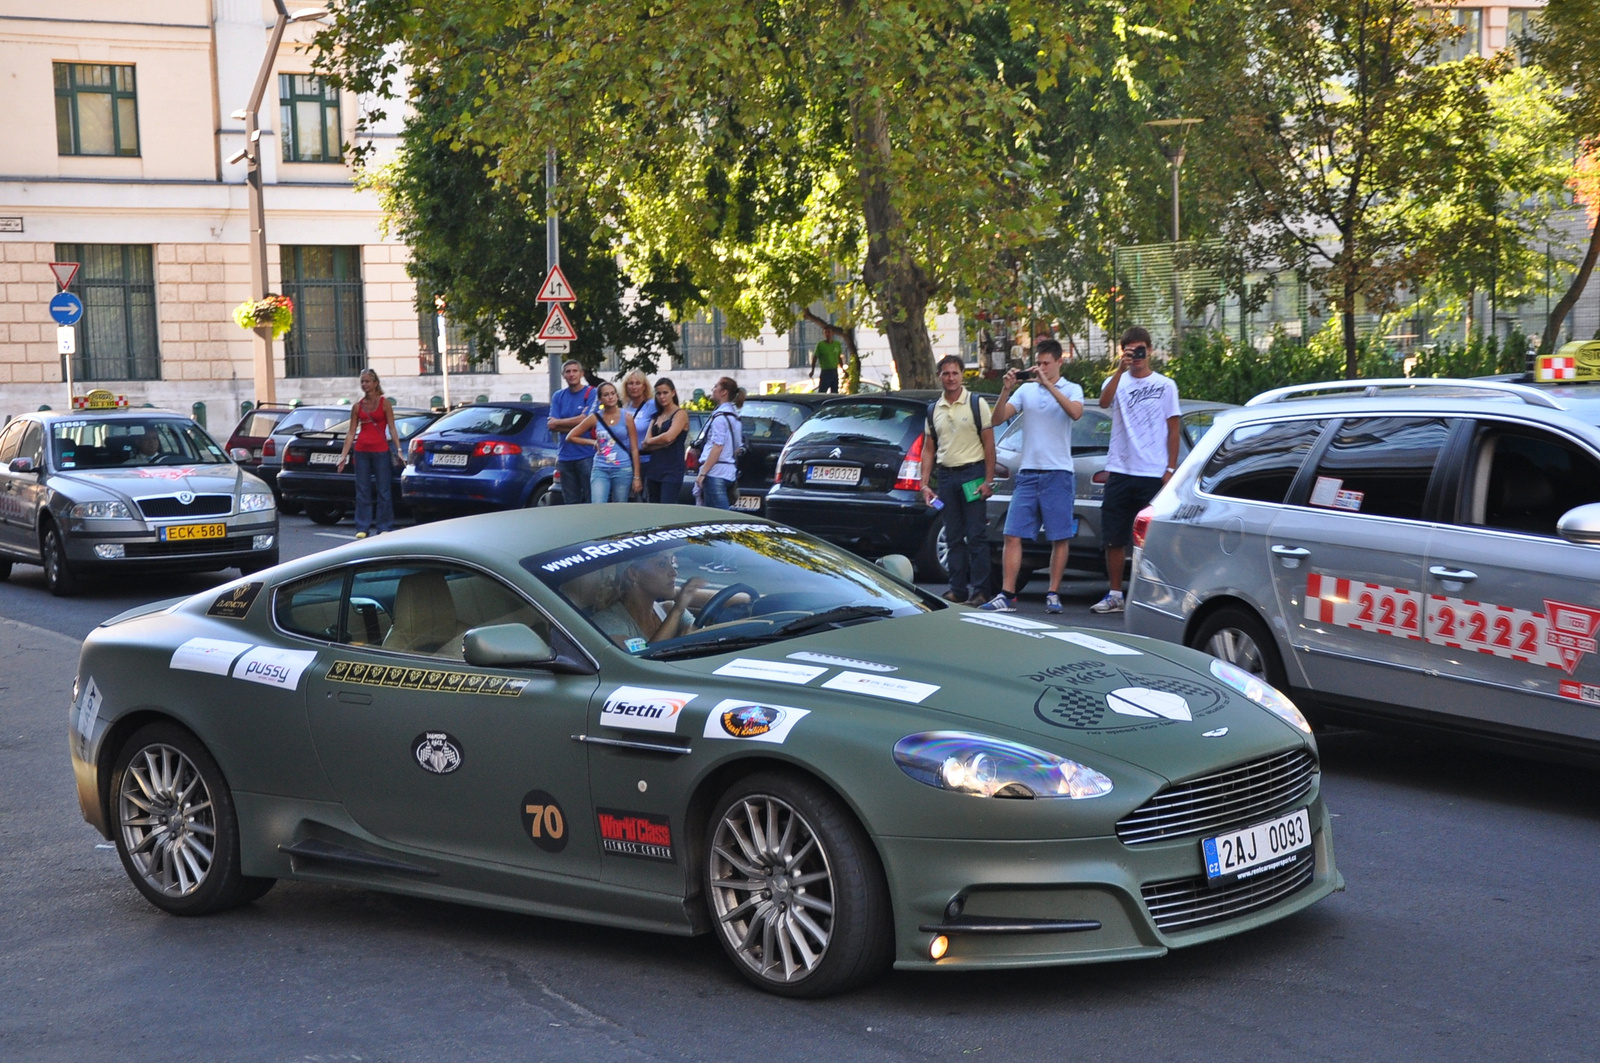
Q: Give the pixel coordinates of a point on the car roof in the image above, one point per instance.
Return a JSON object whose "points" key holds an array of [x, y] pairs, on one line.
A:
{"points": [[141, 414], [794, 398]]}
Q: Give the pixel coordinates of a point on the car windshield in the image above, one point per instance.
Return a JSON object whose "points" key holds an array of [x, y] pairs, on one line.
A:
{"points": [[770, 422], [698, 589], [862, 422], [485, 421], [127, 443], [312, 421]]}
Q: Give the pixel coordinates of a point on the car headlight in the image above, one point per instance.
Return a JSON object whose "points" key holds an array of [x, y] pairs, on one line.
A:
{"points": [[992, 767], [1263, 694], [256, 501], [101, 511]]}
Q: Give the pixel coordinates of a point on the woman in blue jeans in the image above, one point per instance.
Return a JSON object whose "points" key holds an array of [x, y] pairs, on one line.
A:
{"points": [[724, 437], [616, 449]]}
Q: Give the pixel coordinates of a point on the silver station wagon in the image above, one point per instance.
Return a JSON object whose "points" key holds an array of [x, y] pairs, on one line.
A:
{"points": [[1398, 552]]}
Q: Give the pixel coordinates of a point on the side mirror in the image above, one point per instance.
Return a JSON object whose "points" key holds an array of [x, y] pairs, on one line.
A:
{"points": [[898, 566], [505, 646], [240, 454], [1580, 525], [23, 465]]}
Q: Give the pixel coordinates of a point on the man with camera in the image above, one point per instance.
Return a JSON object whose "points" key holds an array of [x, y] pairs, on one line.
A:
{"points": [[1043, 489], [1145, 427]]}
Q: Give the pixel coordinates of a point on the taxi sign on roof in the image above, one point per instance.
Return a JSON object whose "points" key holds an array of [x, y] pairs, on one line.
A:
{"points": [[1574, 361], [100, 399]]}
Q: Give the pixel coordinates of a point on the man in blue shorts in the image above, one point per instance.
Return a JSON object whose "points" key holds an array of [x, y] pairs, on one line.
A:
{"points": [[1043, 489]]}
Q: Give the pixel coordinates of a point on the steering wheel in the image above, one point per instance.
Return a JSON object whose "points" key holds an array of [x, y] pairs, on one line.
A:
{"points": [[709, 611]]}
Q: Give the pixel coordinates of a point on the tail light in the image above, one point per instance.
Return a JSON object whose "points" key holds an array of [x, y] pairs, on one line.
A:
{"points": [[487, 449], [910, 478], [292, 456], [1141, 525], [1101, 477], [416, 450], [777, 470], [691, 460], [269, 449]]}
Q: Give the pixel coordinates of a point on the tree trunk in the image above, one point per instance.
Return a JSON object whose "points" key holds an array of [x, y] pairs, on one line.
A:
{"points": [[1559, 312], [1347, 315], [899, 285]]}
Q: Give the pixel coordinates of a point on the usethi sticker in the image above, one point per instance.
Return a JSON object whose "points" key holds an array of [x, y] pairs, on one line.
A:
{"points": [[882, 686], [1089, 642], [274, 668], [212, 656], [771, 671]]}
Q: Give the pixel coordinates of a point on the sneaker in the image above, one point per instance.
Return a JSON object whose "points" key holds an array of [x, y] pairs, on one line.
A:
{"points": [[1001, 603], [1111, 603], [1052, 602], [952, 596], [361, 535]]}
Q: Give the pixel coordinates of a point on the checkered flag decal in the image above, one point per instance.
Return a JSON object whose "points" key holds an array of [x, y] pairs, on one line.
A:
{"points": [[1074, 708]]}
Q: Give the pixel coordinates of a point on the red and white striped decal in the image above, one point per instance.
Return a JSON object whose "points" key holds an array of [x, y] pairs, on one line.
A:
{"points": [[1364, 606]]}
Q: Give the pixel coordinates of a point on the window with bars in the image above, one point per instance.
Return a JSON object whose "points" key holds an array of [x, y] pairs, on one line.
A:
{"points": [[462, 350], [309, 113], [1468, 42], [117, 337], [703, 343], [329, 335], [97, 110]]}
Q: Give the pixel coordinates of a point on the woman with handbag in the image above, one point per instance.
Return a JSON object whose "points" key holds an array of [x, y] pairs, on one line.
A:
{"points": [[717, 484], [616, 448]]}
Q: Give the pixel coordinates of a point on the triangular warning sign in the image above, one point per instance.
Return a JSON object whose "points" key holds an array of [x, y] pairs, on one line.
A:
{"points": [[556, 289], [557, 327], [64, 272]]}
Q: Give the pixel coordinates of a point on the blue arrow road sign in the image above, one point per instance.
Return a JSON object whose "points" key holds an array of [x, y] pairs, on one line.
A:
{"points": [[66, 308]]}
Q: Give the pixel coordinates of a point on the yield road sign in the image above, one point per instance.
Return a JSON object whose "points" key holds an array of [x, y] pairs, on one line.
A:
{"points": [[66, 308], [556, 326], [64, 272], [555, 288]]}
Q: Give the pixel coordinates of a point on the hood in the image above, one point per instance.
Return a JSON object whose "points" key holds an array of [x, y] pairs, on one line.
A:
{"points": [[1079, 693], [148, 481]]}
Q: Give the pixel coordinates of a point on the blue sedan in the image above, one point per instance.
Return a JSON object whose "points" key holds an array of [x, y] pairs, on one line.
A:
{"points": [[498, 455]]}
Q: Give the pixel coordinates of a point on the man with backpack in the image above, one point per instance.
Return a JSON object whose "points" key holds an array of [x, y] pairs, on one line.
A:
{"points": [[568, 407], [959, 442]]}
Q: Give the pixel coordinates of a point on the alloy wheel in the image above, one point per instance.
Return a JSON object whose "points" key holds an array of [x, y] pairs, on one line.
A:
{"points": [[167, 819], [1238, 648]]}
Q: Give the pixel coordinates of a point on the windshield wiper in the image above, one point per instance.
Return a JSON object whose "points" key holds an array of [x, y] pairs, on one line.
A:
{"points": [[677, 649], [841, 615]]}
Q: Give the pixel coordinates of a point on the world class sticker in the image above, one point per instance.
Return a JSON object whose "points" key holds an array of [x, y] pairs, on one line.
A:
{"points": [[402, 677]]}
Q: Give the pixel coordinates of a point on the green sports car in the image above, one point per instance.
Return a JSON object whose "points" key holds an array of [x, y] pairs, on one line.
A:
{"points": [[646, 717]]}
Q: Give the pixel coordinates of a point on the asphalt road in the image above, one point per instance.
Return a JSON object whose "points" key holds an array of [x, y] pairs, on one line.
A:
{"points": [[1467, 933]]}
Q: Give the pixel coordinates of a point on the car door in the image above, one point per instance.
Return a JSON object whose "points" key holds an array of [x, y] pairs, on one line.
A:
{"points": [[1347, 557], [11, 506], [427, 751], [27, 490], [1513, 610]]}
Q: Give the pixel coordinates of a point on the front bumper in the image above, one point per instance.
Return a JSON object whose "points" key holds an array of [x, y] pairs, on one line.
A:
{"points": [[142, 548], [1091, 879]]}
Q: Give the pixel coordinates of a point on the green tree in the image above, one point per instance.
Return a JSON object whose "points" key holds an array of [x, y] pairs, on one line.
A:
{"points": [[479, 244], [760, 145]]}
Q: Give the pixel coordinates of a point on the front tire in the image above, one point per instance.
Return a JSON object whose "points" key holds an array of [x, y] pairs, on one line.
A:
{"points": [[256, 564], [174, 824], [1238, 636], [58, 573], [795, 888]]}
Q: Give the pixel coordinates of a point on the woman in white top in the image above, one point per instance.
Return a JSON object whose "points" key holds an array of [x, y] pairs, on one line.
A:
{"points": [[719, 471], [616, 449], [638, 405]]}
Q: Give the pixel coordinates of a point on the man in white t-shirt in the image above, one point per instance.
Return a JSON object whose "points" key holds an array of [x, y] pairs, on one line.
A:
{"points": [[1043, 489], [1145, 428]]}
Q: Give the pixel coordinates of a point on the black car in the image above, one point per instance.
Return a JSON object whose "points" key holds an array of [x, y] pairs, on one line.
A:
{"points": [[852, 474], [769, 422], [310, 476]]}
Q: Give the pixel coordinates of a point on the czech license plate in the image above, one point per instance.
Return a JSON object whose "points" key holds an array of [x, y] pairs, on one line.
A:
{"points": [[748, 502], [324, 458], [448, 460], [179, 533], [1243, 854], [833, 474]]}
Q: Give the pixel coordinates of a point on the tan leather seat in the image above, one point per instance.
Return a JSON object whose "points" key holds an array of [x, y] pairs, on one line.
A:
{"points": [[425, 618]]}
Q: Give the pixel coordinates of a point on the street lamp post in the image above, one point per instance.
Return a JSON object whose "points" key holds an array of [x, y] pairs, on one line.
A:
{"points": [[1176, 133], [266, 376]]}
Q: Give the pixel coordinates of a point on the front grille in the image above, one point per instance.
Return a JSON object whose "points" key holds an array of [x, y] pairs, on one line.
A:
{"points": [[1188, 903], [191, 546], [202, 506], [1221, 801]]}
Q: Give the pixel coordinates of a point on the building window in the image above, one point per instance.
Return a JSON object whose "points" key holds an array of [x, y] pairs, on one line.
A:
{"points": [[704, 344], [804, 337], [96, 110], [1522, 25], [1469, 39], [309, 123], [969, 342], [328, 337], [463, 351], [117, 333]]}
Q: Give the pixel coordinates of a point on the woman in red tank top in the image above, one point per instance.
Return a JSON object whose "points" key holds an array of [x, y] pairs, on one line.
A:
{"points": [[377, 454]]}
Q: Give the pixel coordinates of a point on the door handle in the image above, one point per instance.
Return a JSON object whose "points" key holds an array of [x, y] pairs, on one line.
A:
{"points": [[1291, 556], [1453, 575]]}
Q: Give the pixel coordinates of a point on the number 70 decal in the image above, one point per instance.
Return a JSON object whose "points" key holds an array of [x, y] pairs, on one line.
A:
{"points": [[1556, 638]]}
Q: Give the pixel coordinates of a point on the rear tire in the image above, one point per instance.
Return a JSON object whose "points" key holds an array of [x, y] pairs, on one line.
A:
{"points": [[927, 562], [174, 824], [323, 513], [540, 499], [1236, 635], [5, 570], [58, 574]]}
